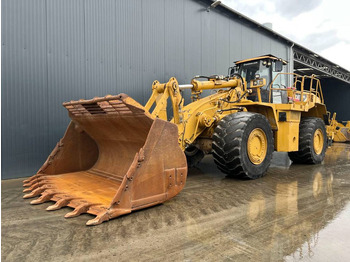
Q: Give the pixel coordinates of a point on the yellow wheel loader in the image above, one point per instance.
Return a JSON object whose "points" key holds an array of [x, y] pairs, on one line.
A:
{"points": [[118, 156]]}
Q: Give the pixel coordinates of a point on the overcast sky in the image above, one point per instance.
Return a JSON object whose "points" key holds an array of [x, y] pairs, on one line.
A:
{"points": [[322, 26]]}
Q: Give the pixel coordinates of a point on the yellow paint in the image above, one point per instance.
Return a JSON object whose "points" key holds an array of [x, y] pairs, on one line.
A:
{"points": [[287, 138], [287, 135], [257, 146], [318, 141], [260, 58]]}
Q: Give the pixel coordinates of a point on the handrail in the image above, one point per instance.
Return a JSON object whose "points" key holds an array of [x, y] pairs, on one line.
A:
{"points": [[298, 79]]}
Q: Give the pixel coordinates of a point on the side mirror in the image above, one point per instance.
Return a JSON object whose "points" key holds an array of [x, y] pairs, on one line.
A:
{"points": [[278, 66]]}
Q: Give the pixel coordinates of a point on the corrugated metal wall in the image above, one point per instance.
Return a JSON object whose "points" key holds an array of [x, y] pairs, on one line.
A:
{"points": [[59, 50]]}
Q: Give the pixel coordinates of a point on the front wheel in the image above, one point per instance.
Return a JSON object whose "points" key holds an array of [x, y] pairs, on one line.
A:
{"points": [[243, 145], [193, 156]]}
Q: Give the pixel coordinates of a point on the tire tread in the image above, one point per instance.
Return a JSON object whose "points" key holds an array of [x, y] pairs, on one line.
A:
{"points": [[227, 142]]}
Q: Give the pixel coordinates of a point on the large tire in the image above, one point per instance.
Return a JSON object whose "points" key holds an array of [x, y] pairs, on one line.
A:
{"points": [[312, 142], [193, 156], [232, 152]]}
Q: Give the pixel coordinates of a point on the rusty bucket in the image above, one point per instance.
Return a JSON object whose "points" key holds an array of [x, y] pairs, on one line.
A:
{"points": [[113, 159]]}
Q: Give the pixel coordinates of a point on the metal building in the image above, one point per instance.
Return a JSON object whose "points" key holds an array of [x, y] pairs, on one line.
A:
{"points": [[54, 51]]}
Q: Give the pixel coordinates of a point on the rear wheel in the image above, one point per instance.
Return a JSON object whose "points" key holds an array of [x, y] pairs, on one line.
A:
{"points": [[312, 142], [243, 145]]}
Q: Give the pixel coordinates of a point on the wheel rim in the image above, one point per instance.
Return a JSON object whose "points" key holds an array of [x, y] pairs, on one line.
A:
{"points": [[318, 141], [257, 146]]}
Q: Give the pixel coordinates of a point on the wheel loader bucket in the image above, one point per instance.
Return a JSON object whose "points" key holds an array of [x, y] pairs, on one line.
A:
{"points": [[342, 134], [113, 159]]}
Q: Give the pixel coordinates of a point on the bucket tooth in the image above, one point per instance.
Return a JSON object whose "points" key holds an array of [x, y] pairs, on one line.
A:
{"points": [[27, 180], [27, 190], [31, 188], [30, 183], [82, 208], [100, 218], [43, 198], [31, 178], [36, 180], [35, 192], [59, 204]]}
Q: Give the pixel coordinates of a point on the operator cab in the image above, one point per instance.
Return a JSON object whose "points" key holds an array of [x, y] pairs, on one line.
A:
{"points": [[255, 70]]}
